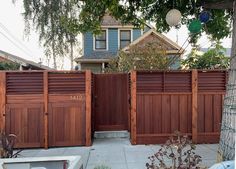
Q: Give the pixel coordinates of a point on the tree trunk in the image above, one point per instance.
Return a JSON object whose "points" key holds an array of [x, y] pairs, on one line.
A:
{"points": [[54, 55], [71, 56], [228, 125]]}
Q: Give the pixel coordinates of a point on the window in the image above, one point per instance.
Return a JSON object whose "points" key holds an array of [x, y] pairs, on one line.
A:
{"points": [[100, 40], [125, 38]]}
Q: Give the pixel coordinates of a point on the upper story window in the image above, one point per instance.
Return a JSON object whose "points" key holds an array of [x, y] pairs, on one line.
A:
{"points": [[125, 38], [101, 40]]}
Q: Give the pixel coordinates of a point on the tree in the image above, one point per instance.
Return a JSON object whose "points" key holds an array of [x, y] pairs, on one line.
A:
{"points": [[53, 21], [49, 14], [152, 56], [5, 65], [214, 58]]}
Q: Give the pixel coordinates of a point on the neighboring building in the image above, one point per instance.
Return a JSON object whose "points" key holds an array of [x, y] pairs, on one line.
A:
{"points": [[99, 49], [24, 64], [227, 51]]}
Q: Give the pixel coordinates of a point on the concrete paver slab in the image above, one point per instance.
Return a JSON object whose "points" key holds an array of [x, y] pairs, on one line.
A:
{"points": [[118, 153]]}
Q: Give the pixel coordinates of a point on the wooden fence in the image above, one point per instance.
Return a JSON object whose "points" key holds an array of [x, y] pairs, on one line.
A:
{"points": [[46, 109], [187, 101]]}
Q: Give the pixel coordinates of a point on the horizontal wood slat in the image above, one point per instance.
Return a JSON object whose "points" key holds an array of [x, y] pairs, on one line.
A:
{"points": [[164, 82], [211, 81], [18, 83], [66, 82]]}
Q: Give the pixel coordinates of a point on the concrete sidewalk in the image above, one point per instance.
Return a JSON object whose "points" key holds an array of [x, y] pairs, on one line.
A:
{"points": [[118, 153]]}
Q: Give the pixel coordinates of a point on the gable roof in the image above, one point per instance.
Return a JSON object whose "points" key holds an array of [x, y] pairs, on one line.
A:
{"points": [[109, 21], [170, 46], [22, 61]]}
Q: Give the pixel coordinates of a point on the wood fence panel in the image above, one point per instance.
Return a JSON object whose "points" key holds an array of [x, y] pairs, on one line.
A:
{"points": [[67, 109], [25, 110], [188, 101], [211, 91], [2, 100], [32, 96], [26, 122], [111, 102], [67, 123], [159, 115]]}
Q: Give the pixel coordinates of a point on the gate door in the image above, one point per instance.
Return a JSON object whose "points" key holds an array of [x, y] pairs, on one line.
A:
{"points": [[111, 102]]}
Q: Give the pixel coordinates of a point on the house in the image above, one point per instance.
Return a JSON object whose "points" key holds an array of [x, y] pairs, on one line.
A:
{"points": [[99, 49], [24, 64]]}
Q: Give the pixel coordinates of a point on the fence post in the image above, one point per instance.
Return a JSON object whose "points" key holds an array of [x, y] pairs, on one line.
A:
{"points": [[133, 107], [2, 100], [88, 102], [45, 95], [194, 105]]}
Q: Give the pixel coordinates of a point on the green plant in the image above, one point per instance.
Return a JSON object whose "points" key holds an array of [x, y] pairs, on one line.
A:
{"points": [[102, 167], [4, 65], [214, 58], [176, 153], [151, 56], [7, 143]]}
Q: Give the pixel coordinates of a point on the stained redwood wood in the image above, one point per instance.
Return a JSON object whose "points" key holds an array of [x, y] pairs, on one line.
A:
{"points": [[194, 105], [45, 99], [26, 122], [166, 114], [2, 100], [20, 99], [156, 115], [111, 101], [217, 110], [183, 111], [139, 114], [165, 93], [208, 116], [154, 138], [88, 77], [67, 124], [211, 137], [201, 112], [133, 107], [189, 114], [174, 113]]}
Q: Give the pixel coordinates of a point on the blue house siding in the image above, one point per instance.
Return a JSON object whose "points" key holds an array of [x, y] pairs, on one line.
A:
{"points": [[88, 43], [136, 34], [146, 29], [113, 40], [113, 46]]}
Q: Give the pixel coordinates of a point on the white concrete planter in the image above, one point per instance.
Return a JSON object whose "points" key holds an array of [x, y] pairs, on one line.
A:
{"points": [[56, 162]]}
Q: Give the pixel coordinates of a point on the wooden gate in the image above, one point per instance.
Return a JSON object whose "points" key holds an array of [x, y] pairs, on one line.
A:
{"points": [[111, 102]]}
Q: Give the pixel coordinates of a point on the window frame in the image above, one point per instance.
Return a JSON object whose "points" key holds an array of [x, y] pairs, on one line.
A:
{"points": [[95, 40], [125, 40]]}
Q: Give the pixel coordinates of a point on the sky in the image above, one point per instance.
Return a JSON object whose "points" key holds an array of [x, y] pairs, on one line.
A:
{"points": [[12, 39]]}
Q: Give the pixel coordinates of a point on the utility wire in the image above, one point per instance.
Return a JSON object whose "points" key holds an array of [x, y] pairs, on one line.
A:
{"points": [[14, 43], [26, 49]]}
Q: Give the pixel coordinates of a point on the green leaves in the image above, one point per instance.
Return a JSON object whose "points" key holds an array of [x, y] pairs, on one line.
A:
{"points": [[214, 58], [4, 65], [152, 56]]}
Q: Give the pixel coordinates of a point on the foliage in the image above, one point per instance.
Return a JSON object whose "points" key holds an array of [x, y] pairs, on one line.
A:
{"points": [[179, 150], [5, 65], [53, 17], [7, 143], [152, 56], [53, 20], [102, 167], [214, 58]]}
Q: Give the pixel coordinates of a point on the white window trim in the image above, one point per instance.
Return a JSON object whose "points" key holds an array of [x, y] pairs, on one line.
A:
{"points": [[131, 32], [106, 42]]}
